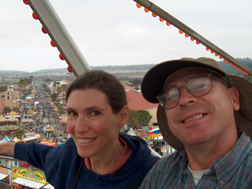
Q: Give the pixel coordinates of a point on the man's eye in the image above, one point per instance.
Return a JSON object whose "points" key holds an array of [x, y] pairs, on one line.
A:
{"points": [[172, 94], [172, 97], [200, 86]]}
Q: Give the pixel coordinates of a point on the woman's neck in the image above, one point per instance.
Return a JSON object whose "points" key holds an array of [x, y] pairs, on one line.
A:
{"points": [[101, 164]]}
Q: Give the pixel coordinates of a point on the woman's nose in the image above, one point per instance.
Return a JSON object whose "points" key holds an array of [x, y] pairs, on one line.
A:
{"points": [[82, 124]]}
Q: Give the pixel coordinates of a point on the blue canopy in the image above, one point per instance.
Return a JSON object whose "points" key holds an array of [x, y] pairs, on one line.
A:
{"points": [[6, 139]]}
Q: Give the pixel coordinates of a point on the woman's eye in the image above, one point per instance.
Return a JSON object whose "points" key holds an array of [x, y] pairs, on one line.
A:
{"points": [[72, 113], [95, 113]]}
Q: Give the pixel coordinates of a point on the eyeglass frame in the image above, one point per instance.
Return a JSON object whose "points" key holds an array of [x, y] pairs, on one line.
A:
{"points": [[214, 74]]}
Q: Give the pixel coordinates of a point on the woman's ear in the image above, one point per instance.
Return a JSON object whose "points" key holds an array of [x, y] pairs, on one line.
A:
{"points": [[234, 93], [123, 116]]}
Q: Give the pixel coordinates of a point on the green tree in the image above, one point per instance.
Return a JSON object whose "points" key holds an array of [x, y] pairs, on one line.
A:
{"points": [[54, 85], [133, 122], [53, 97], [136, 81], [3, 88], [21, 83], [23, 97], [47, 80], [61, 110], [19, 134], [6, 109], [59, 89], [30, 79], [139, 118], [64, 88], [16, 109]]}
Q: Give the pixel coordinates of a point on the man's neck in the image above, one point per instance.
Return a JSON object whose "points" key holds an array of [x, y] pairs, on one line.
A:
{"points": [[203, 156]]}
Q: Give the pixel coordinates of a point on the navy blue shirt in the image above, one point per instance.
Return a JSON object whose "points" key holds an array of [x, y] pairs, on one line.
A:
{"points": [[61, 165]]}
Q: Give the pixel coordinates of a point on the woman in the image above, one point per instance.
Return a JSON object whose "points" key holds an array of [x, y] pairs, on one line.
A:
{"points": [[96, 156]]}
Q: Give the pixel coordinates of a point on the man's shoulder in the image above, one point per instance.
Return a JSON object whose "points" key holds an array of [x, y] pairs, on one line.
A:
{"points": [[170, 161]]}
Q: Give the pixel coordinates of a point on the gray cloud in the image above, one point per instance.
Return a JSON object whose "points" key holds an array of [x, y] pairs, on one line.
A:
{"points": [[116, 32]]}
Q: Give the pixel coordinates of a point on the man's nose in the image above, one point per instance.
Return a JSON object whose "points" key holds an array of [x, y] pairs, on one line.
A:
{"points": [[185, 97]]}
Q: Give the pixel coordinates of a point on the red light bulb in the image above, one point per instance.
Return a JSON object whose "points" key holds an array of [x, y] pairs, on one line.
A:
{"points": [[146, 10], [168, 23], [25, 2], [161, 19], [34, 16], [138, 5], [52, 43], [43, 30], [61, 57], [69, 69]]}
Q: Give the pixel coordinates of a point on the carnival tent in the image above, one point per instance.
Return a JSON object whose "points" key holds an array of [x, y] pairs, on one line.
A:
{"points": [[12, 113], [6, 139], [28, 183], [7, 129], [44, 141], [2, 118], [12, 118], [48, 143], [155, 133]]}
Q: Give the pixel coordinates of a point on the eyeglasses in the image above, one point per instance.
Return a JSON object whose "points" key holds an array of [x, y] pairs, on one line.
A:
{"points": [[197, 86]]}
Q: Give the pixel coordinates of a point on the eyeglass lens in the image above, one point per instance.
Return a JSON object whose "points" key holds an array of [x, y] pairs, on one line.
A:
{"points": [[196, 86]]}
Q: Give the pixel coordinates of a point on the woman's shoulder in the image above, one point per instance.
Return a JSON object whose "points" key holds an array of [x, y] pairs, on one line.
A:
{"points": [[70, 143]]}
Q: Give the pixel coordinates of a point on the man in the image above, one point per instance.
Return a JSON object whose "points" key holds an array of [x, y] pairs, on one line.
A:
{"points": [[206, 115]]}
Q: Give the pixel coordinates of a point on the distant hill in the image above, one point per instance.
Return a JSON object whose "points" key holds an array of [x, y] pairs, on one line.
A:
{"points": [[142, 69], [231, 70]]}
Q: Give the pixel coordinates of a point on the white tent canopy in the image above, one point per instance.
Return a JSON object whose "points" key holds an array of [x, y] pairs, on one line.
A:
{"points": [[48, 186], [2, 176], [28, 183]]}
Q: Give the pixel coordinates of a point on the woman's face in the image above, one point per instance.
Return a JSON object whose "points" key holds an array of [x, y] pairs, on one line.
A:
{"points": [[93, 125]]}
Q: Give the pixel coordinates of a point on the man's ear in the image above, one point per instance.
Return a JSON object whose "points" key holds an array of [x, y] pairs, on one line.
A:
{"points": [[123, 116], [234, 94]]}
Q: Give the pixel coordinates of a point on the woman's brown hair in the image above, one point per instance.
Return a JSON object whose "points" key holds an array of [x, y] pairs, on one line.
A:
{"points": [[106, 83]]}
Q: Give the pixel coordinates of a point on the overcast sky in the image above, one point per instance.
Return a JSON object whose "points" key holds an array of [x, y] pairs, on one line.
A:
{"points": [[116, 32]]}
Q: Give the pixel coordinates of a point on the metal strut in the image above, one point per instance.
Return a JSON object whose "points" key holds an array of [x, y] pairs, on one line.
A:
{"points": [[59, 35], [172, 20]]}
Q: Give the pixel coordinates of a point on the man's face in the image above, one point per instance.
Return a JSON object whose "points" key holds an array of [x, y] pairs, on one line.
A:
{"points": [[206, 119]]}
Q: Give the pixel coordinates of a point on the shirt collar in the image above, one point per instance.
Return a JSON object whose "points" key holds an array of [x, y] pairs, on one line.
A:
{"points": [[225, 167]]}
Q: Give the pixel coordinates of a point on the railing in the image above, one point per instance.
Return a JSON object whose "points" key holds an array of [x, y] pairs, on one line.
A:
{"points": [[9, 158]]}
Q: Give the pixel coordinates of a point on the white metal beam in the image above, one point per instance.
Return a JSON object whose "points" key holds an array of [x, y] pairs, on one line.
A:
{"points": [[59, 35], [169, 18]]}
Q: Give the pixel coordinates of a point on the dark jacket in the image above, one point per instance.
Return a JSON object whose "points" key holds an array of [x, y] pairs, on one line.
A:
{"points": [[61, 165]]}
